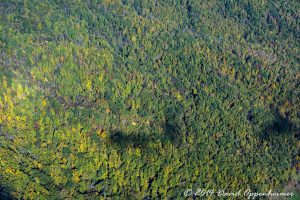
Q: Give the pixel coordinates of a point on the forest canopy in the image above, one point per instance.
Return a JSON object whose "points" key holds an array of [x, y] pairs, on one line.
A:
{"points": [[143, 99]]}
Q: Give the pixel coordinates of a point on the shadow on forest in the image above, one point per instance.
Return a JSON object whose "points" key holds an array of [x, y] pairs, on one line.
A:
{"points": [[171, 132], [122, 139], [280, 127], [276, 132], [4, 195]]}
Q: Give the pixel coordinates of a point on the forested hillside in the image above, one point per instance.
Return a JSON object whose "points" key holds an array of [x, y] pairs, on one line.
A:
{"points": [[143, 99]]}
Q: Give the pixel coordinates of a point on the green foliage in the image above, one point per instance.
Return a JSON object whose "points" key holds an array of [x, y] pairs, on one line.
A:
{"points": [[134, 99]]}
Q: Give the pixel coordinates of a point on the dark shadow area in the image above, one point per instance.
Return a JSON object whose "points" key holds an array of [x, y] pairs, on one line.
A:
{"points": [[278, 131], [138, 139], [171, 132], [4, 193], [281, 126], [129, 139]]}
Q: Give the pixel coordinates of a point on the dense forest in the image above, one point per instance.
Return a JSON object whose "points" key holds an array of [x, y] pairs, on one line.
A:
{"points": [[143, 99]]}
